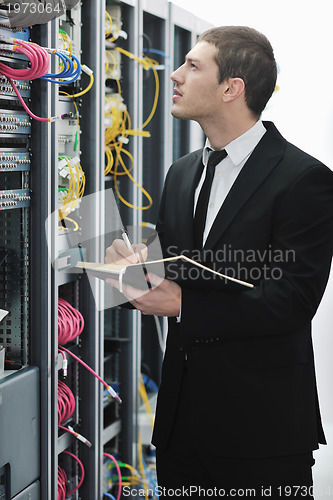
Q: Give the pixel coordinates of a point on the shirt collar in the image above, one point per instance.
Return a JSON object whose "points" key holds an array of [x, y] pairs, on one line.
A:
{"points": [[241, 147]]}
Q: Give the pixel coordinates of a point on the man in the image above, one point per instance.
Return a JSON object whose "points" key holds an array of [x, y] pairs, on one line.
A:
{"points": [[238, 406]]}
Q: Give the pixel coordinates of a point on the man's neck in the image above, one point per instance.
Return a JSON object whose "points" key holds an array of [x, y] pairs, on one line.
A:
{"points": [[220, 135]]}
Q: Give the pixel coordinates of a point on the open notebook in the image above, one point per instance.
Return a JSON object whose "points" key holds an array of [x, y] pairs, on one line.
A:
{"points": [[104, 271]]}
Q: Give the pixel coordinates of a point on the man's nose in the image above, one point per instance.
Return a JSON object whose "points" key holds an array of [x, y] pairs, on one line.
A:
{"points": [[177, 75]]}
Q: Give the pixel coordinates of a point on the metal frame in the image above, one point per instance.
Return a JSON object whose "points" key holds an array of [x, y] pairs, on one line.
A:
{"points": [[92, 126], [44, 293]]}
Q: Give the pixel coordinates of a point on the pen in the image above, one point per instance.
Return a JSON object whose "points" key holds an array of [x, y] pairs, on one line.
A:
{"points": [[126, 239]]}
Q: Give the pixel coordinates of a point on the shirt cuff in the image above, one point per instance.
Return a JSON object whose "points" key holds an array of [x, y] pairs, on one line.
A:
{"points": [[178, 318]]}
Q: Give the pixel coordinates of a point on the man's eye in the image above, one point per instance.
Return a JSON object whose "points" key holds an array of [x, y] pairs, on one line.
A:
{"points": [[193, 65]]}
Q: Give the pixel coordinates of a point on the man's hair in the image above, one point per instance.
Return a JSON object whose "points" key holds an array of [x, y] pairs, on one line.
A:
{"points": [[245, 53]]}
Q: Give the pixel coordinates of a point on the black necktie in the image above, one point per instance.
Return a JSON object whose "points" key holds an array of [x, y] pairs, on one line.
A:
{"points": [[201, 209]]}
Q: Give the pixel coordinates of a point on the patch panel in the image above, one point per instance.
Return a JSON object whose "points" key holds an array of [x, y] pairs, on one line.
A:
{"points": [[14, 58], [14, 160], [20, 33], [6, 89], [12, 122], [15, 198]]}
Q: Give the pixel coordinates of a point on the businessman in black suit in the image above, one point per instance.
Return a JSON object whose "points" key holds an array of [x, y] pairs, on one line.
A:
{"points": [[238, 405]]}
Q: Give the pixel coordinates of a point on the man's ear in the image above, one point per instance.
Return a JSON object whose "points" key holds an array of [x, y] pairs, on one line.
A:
{"points": [[233, 88]]}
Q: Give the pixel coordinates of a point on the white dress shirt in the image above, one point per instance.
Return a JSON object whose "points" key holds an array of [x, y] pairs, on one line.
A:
{"points": [[227, 170]]}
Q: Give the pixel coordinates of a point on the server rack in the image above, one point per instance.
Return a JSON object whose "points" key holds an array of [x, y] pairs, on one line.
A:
{"points": [[115, 342]]}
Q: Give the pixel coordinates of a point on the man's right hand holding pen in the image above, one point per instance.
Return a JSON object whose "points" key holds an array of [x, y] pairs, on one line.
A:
{"points": [[164, 297], [120, 253]]}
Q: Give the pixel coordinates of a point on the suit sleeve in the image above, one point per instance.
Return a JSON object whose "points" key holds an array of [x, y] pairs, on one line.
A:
{"points": [[303, 223]]}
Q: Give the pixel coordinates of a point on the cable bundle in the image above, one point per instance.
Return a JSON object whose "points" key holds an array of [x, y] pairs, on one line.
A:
{"points": [[71, 185], [66, 408], [62, 479], [21, 13], [66, 402], [38, 56], [71, 70], [70, 325], [70, 322], [66, 68], [39, 64], [118, 126]]}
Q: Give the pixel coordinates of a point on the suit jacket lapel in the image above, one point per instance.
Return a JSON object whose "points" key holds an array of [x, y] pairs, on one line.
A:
{"points": [[188, 184], [262, 161]]}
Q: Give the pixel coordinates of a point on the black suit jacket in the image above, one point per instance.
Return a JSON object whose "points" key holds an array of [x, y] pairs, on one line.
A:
{"points": [[250, 357]]}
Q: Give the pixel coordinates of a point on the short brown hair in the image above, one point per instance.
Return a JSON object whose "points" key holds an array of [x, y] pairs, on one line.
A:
{"points": [[245, 53]]}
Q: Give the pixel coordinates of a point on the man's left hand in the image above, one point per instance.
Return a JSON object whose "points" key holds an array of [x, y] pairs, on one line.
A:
{"points": [[163, 299]]}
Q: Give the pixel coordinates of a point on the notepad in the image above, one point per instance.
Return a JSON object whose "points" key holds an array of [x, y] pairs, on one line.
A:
{"points": [[103, 271]]}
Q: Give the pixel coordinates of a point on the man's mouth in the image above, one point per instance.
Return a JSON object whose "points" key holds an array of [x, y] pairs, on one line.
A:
{"points": [[176, 94]]}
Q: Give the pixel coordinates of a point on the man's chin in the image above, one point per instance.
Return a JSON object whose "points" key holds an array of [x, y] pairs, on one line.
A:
{"points": [[176, 113]]}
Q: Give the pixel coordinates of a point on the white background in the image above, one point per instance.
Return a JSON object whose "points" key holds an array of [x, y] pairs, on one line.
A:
{"points": [[301, 33]]}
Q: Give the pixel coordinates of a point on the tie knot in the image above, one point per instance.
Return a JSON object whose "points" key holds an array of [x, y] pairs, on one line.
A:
{"points": [[215, 157]]}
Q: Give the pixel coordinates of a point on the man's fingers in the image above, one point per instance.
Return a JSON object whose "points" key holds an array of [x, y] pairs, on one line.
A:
{"points": [[154, 279], [119, 253], [141, 250]]}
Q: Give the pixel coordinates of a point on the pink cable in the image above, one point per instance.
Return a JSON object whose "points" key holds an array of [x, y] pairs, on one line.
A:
{"points": [[62, 479], [66, 402], [82, 472], [40, 62], [85, 365], [35, 117], [70, 322], [108, 387], [118, 472], [38, 57]]}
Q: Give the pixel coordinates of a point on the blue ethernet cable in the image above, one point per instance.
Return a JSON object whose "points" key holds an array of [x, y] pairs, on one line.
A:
{"points": [[69, 72], [109, 495]]}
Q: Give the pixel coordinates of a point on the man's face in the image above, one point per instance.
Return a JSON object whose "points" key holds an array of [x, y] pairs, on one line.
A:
{"points": [[197, 91]]}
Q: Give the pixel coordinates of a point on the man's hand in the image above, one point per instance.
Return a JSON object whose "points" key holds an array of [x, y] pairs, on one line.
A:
{"points": [[118, 253], [163, 299]]}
